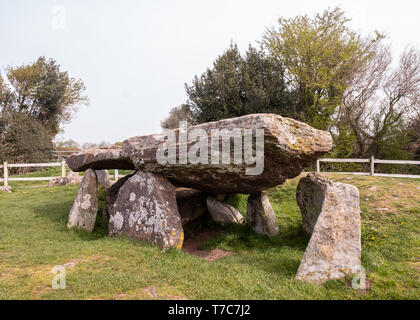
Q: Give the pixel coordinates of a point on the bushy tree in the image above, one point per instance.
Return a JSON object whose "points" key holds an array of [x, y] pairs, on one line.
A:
{"points": [[319, 55], [26, 140], [236, 85], [34, 101]]}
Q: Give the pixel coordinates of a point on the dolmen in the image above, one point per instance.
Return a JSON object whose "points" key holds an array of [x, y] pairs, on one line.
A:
{"points": [[195, 167]]}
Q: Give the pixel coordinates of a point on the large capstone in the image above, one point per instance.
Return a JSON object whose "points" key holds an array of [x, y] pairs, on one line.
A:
{"points": [[85, 207], [246, 154], [332, 215], [6, 188], [260, 215], [145, 209], [222, 212], [98, 159]]}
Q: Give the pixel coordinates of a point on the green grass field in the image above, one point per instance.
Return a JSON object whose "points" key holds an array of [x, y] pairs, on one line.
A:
{"points": [[34, 239]]}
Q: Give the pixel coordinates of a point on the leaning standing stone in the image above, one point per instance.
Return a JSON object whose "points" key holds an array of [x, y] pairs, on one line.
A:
{"points": [[146, 209], [260, 215], [334, 249], [223, 212], [310, 196], [83, 212]]}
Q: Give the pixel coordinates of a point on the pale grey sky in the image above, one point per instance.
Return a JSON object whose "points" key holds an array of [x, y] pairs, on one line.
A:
{"points": [[135, 56]]}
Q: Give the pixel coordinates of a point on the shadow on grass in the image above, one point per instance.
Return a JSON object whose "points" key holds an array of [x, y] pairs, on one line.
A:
{"points": [[57, 212], [277, 255]]}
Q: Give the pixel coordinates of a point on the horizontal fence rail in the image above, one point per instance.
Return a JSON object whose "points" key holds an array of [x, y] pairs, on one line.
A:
{"points": [[372, 162], [6, 177]]}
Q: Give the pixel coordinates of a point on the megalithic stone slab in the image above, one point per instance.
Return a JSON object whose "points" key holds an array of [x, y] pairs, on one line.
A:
{"points": [[222, 212], [146, 209], [288, 145], [334, 249], [260, 215], [85, 207]]}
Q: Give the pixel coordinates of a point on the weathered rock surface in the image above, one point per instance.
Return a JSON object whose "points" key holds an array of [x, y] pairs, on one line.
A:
{"points": [[72, 178], [260, 215], [83, 212], [59, 181], [111, 196], [145, 209], [191, 204], [223, 212], [289, 147], [310, 196], [98, 159], [334, 249], [103, 178], [6, 189]]}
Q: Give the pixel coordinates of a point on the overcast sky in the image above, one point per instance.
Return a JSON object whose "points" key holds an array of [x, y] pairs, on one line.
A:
{"points": [[135, 56]]}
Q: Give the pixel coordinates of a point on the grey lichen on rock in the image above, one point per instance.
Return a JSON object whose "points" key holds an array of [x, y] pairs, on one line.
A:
{"points": [[260, 215], [289, 146], [222, 212], [334, 249], [85, 207], [145, 209]]}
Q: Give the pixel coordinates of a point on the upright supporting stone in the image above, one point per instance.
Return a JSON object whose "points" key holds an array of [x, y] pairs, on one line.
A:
{"points": [[83, 212], [223, 212], [146, 209], [103, 178], [334, 249], [260, 215]]}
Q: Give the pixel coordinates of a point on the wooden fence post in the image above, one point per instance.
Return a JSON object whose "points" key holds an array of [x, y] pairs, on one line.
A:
{"points": [[372, 165], [6, 174], [116, 175], [63, 168], [318, 169]]}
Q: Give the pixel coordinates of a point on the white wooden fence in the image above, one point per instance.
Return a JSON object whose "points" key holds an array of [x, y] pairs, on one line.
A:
{"points": [[372, 162], [6, 178]]}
